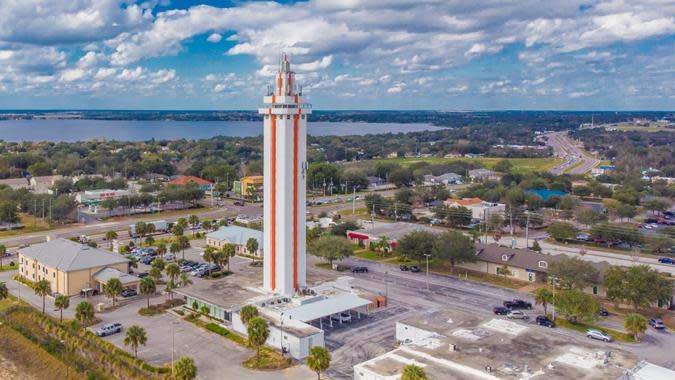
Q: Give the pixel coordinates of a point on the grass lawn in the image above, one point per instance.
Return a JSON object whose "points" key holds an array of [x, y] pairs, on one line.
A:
{"points": [[360, 212], [519, 164], [5, 267], [619, 336], [31, 225], [371, 255], [269, 360]]}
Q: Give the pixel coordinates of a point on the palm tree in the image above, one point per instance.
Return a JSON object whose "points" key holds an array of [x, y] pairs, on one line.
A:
{"points": [[141, 229], [173, 271], [3, 252], [543, 297], [170, 286], [161, 249], [413, 372], [4, 292], [43, 288], [147, 287], [635, 324], [185, 280], [155, 273], [177, 230], [135, 337], [252, 247], [183, 243], [209, 256], [185, 369], [318, 360], [258, 332], [84, 312], [174, 248], [247, 313], [113, 288], [110, 236], [149, 240], [61, 302], [228, 251], [194, 221], [159, 264], [149, 229], [206, 225]]}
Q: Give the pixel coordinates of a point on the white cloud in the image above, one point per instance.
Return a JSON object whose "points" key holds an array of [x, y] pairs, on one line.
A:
{"points": [[162, 76], [105, 72], [394, 90], [134, 74], [215, 38], [70, 75]]}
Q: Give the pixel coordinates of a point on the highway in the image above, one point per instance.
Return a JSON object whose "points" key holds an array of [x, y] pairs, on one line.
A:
{"points": [[576, 160]]}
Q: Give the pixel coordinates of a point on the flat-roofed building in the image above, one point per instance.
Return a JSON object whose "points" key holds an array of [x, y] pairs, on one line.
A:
{"points": [[71, 267]]}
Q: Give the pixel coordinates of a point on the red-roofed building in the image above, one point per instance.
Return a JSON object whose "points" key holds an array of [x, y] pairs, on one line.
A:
{"points": [[184, 180], [465, 202]]}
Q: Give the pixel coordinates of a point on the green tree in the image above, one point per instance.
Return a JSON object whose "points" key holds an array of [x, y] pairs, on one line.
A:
{"points": [[573, 273], [635, 324], [182, 223], [173, 271], [84, 313], [174, 248], [110, 236], [416, 245], [258, 332], [8, 212], [113, 288], [177, 230], [135, 337], [227, 252], [640, 286], [194, 221], [589, 217], [159, 264], [209, 256], [536, 247], [562, 231], [183, 243], [43, 288], [247, 313], [185, 369], [576, 305], [413, 372], [503, 166], [318, 360], [161, 249], [3, 252], [147, 287], [141, 229], [155, 273], [149, 241], [504, 271], [252, 246], [331, 248], [149, 229], [61, 302], [543, 297], [185, 280], [454, 247], [457, 216], [206, 225], [4, 292]]}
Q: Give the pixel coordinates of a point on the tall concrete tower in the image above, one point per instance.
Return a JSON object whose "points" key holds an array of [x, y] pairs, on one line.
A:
{"points": [[285, 169]]}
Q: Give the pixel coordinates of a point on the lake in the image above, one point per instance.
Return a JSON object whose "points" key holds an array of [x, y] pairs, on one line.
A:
{"points": [[70, 130]]}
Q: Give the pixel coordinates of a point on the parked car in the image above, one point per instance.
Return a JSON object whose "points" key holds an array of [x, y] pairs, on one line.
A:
{"points": [[360, 270], [108, 329], [237, 203], [129, 293], [414, 269], [599, 241], [170, 257], [342, 317], [666, 260], [500, 310], [657, 323], [147, 260], [603, 312], [598, 335], [584, 237], [651, 220], [542, 320], [142, 274], [403, 267], [516, 314], [517, 304]]}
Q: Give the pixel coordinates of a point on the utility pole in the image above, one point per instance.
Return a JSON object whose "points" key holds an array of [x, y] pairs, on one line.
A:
{"points": [[396, 211], [527, 230], [372, 219], [354, 201], [513, 238], [281, 334], [427, 256]]}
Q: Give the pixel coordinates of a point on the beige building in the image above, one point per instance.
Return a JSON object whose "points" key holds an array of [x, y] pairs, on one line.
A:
{"points": [[522, 264], [71, 267], [238, 236]]}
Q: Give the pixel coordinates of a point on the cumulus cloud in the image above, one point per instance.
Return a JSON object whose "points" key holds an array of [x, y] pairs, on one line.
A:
{"points": [[215, 38]]}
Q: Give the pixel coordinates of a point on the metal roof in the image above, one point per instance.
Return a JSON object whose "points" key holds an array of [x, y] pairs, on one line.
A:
{"points": [[66, 255], [325, 307], [237, 235], [106, 274]]}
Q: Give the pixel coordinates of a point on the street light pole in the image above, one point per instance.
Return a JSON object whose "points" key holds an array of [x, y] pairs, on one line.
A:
{"points": [[281, 338], [386, 288], [427, 256]]}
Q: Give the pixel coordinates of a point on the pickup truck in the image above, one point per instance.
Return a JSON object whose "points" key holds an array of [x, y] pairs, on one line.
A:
{"points": [[108, 329], [517, 304]]}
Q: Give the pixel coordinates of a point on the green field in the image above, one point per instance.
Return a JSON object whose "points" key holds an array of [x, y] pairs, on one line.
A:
{"points": [[519, 164]]}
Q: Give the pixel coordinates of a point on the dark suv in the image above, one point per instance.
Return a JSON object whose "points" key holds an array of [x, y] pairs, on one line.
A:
{"points": [[518, 304], [542, 320], [500, 310], [360, 270]]}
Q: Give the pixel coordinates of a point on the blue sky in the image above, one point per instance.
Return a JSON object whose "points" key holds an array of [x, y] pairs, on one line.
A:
{"points": [[350, 54]]}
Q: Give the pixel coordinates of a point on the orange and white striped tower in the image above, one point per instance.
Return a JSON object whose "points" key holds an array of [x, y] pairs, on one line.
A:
{"points": [[285, 171]]}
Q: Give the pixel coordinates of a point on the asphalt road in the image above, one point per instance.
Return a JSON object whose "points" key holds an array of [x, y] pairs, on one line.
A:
{"points": [[409, 296], [563, 148]]}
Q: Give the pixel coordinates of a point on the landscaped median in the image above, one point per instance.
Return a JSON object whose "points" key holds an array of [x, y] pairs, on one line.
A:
{"points": [[67, 348], [583, 327], [269, 359]]}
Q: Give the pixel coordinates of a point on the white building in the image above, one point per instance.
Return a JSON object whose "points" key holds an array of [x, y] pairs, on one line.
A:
{"points": [[285, 167], [94, 196], [238, 236]]}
